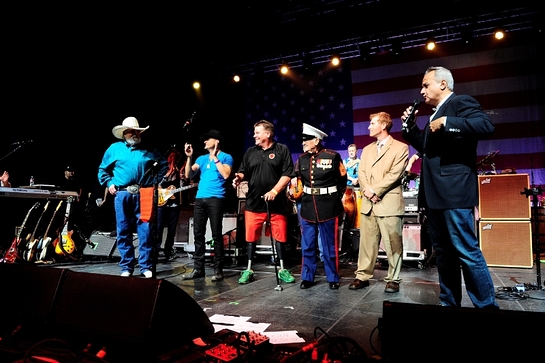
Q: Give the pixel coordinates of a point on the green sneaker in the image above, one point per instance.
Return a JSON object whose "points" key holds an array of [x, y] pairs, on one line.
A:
{"points": [[285, 276], [246, 276]]}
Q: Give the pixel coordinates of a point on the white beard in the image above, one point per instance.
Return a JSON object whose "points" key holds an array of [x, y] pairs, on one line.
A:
{"points": [[135, 140]]}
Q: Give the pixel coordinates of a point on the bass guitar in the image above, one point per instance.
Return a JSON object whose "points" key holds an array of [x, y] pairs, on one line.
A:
{"points": [[64, 244], [31, 244], [164, 194], [12, 255], [45, 241]]}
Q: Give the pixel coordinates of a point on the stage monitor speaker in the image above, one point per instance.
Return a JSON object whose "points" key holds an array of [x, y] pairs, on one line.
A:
{"points": [[28, 292], [506, 243], [433, 333], [500, 196], [129, 316], [137, 311]]}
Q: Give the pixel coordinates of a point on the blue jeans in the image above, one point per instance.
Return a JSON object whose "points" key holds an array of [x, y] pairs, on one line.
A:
{"points": [[127, 214], [208, 209], [456, 246]]}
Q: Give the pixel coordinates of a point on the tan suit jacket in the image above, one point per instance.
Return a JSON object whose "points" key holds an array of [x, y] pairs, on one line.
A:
{"points": [[382, 173]]}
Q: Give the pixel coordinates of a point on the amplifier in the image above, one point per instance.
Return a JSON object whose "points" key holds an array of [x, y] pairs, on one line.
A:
{"points": [[411, 204], [229, 225]]}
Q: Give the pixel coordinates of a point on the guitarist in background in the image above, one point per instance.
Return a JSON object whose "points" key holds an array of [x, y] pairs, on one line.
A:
{"points": [[167, 214], [70, 182]]}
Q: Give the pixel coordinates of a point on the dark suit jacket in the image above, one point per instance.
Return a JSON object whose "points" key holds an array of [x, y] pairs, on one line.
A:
{"points": [[448, 177]]}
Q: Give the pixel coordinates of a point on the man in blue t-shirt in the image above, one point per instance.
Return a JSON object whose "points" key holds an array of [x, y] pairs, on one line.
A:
{"points": [[214, 169]]}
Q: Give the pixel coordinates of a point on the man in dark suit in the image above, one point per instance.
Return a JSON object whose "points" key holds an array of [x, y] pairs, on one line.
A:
{"points": [[448, 181]]}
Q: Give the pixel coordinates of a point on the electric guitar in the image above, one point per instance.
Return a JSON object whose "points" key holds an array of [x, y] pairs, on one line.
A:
{"points": [[31, 244], [166, 193], [64, 244], [44, 243], [295, 190], [13, 252]]}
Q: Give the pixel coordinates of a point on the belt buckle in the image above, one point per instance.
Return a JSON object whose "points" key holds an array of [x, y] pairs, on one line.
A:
{"points": [[315, 191], [133, 189]]}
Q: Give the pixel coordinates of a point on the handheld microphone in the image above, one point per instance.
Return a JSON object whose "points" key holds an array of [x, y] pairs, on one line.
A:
{"points": [[190, 121], [409, 121], [21, 142]]}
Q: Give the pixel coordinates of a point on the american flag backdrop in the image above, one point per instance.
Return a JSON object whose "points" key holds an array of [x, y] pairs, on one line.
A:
{"points": [[508, 80], [320, 96]]}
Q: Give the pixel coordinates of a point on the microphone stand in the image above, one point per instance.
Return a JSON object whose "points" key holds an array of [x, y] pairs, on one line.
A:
{"points": [[154, 234], [540, 294]]}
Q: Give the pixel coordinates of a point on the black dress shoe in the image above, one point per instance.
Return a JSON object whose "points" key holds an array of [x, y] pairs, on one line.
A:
{"points": [[358, 284], [305, 284], [334, 285], [392, 287], [193, 275]]}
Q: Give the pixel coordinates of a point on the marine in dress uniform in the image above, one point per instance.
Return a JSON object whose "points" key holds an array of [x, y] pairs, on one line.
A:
{"points": [[323, 176]]}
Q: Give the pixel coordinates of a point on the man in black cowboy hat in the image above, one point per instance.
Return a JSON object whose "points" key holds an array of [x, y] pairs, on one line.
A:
{"points": [[214, 168]]}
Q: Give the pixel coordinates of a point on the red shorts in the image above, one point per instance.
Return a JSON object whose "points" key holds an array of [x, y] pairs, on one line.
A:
{"points": [[254, 226]]}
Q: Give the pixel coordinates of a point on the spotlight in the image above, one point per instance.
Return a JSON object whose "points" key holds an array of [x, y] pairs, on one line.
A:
{"points": [[196, 85], [499, 33], [284, 68], [466, 35], [364, 51], [236, 78], [335, 59], [396, 48], [307, 61], [430, 44]]}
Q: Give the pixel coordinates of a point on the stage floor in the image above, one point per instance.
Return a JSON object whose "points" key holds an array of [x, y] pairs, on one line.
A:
{"points": [[319, 312]]}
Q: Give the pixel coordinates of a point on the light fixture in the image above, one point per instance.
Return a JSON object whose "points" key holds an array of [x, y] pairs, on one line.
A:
{"points": [[499, 34], [307, 60], [364, 51], [430, 44], [196, 85], [466, 35], [236, 78], [396, 48], [284, 68], [335, 59]]}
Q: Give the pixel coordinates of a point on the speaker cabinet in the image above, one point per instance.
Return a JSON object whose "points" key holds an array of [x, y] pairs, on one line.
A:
{"points": [[506, 243], [129, 316], [500, 196], [407, 336]]}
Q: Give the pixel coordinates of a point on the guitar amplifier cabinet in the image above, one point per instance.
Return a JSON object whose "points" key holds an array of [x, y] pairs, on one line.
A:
{"points": [[229, 226], [500, 197], [506, 243]]}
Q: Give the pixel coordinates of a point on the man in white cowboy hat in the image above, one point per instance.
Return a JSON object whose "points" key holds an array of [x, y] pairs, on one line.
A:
{"points": [[126, 167], [323, 176], [214, 168]]}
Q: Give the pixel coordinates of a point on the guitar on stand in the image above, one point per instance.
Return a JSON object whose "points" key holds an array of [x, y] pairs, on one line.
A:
{"points": [[13, 252], [43, 246], [168, 193], [64, 244], [32, 241]]}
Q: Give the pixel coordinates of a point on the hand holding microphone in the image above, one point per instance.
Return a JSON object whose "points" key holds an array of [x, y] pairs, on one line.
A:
{"points": [[411, 111]]}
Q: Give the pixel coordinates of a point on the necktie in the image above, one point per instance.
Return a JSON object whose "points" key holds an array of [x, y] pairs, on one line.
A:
{"points": [[379, 147]]}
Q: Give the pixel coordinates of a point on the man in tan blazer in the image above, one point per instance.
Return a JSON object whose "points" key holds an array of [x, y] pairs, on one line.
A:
{"points": [[382, 164]]}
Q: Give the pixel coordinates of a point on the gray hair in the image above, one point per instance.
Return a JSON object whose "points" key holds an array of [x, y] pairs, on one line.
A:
{"points": [[441, 73]]}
